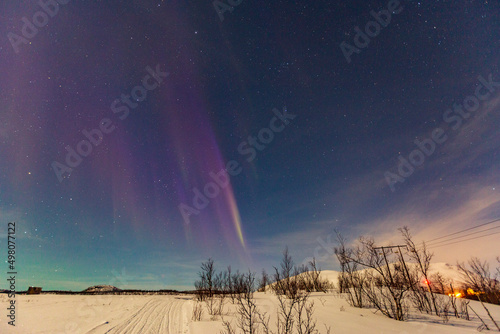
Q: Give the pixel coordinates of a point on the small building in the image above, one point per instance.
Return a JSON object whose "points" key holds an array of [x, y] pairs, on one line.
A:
{"points": [[34, 290]]}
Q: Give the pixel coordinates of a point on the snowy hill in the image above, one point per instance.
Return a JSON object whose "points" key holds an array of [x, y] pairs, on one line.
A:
{"points": [[101, 288], [448, 271]]}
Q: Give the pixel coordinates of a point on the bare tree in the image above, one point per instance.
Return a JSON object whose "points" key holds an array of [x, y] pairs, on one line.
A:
{"points": [[351, 280], [264, 281], [286, 288], [477, 277], [422, 258], [386, 284], [287, 279], [220, 293], [247, 308], [205, 286], [229, 283], [210, 288]]}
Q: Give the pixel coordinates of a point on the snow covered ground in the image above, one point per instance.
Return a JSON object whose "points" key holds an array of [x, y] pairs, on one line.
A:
{"points": [[57, 314], [79, 314]]}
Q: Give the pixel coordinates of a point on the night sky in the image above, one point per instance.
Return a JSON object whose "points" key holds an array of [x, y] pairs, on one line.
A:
{"points": [[117, 116]]}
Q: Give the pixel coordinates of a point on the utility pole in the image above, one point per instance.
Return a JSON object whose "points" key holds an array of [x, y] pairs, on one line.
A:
{"points": [[404, 264], [387, 263], [396, 291]]}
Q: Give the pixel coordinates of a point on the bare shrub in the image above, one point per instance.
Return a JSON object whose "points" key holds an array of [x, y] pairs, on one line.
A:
{"points": [[228, 328], [228, 284], [247, 308], [205, 286], [351, 280], [264, 320], [220, 284], [197, 312], [294, 309], [210, 288], [422, 299], [310, 278], [453, 300], [211, 304], [305, 321], [385, 282], [444, 312], [477, 277], [292, 287], [239, 285], [264, 281], [287, 292], [464, 309], [285, 279]]}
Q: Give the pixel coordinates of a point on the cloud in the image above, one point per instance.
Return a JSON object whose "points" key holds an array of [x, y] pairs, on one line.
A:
{"points": [[477, 137], [431, 212]]}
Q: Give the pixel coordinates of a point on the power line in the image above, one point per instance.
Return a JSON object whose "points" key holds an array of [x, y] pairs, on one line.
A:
{"points": [[462, 236], [451, 243], [388, 247], [464, 230]]}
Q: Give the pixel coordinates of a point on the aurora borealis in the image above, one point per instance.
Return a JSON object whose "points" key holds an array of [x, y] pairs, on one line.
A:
{"points": [[142, 137]]}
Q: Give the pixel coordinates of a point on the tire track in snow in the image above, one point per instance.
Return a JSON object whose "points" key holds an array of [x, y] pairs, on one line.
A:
{"points": [[158, 315]]}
